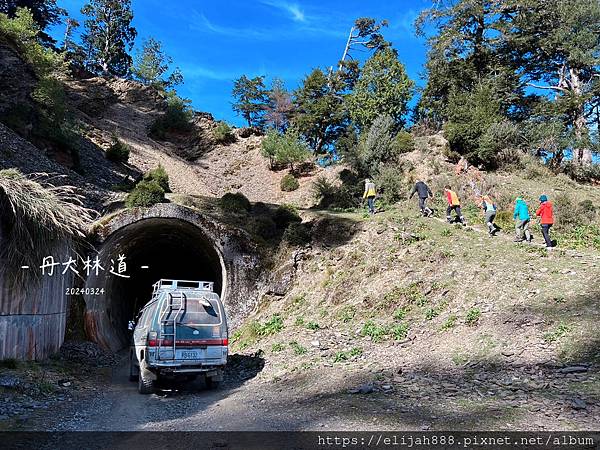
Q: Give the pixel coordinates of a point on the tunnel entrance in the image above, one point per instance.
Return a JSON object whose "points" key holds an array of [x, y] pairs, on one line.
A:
{"points": [[153, 248]]}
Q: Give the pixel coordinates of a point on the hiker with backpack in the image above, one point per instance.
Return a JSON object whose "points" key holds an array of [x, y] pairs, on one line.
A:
{"points": [[522, 219], [546, 214], [370, 194], [453, 205], [489, 211], [424, 193]]}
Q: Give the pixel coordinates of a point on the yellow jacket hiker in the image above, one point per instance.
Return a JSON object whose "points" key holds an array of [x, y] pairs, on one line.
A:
{"points": [[370, 194]]}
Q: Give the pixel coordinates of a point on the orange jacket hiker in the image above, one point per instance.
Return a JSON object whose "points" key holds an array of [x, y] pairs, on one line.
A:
{"points": [[452, 198]]}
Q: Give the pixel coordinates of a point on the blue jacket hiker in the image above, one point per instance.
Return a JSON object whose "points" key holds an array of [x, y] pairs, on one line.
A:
{"points": [[522, 218]]}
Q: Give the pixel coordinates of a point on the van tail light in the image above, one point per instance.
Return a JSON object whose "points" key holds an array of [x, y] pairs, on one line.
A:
{"points": [[225, 342], [153, 339]]}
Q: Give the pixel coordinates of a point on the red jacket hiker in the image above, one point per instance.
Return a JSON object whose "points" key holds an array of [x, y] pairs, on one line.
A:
{"points": [[545, 213]]}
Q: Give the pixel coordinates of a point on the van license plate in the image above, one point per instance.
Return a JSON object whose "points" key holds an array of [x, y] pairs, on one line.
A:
{"points": [[190, 355]]}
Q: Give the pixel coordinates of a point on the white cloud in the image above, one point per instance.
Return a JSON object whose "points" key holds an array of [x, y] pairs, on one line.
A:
{"points": [[291, 8], [200, 22]]}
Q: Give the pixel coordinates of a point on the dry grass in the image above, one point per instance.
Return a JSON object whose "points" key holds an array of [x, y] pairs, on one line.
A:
{"points": [[37, 214]]}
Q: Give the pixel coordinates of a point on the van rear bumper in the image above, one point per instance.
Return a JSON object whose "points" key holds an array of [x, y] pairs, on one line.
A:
{"points": [[184, 368]]}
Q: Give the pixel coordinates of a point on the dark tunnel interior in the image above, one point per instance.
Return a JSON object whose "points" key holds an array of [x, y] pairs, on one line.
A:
{"points": [[155, 249]]}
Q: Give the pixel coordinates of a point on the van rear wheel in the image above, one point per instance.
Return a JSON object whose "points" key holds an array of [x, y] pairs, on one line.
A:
{"points": [[146, 385]]}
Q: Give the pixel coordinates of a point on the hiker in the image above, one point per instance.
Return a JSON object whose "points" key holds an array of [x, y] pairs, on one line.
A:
{"points": [[370, 194], [453, 205], [546, 215], [424, 193], [522, 218], [489, 210]]}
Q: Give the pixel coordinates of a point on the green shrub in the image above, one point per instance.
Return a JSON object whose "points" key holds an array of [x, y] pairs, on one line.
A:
{"points": [[289, 183], [160, 176], [285, 215], [118, 152], [223, 134], [404, 142], [23, 31], [263, 227], [297, 234], [286, 149], [145, 194], [570, 214], [235, 202], [50, 95], [177, 117], [389, 183]]}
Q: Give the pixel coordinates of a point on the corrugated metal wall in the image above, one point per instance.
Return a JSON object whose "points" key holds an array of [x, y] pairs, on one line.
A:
{"points": [[33, 317]]}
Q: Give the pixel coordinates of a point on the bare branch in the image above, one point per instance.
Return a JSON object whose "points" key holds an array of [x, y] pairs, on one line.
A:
{"points": [[551, 88]]}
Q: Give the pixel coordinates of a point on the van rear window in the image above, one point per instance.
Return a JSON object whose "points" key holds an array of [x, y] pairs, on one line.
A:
{"points": [[197, 313]]}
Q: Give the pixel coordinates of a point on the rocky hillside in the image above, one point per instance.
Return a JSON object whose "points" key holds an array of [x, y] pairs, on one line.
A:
{"points": [[104, 110]]}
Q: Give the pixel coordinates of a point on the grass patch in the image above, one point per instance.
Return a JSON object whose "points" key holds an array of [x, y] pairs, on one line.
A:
{"points": [[313, 326], [401, 312], [277, 347], [297, 348], [375, 331], [346, 355], [400, 331], [346, 314], [450, 322], [554, 335], [473, 316]]}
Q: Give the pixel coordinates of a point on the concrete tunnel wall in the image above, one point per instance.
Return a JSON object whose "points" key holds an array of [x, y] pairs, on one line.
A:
{"points": [[174, 242]]}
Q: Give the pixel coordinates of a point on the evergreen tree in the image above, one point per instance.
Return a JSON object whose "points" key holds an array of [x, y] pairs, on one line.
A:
{"points": [[251, 98], [152, 64], [383, 89], [320, 116], [45, 13], [108, 36], [462, 52], [555, 45]]}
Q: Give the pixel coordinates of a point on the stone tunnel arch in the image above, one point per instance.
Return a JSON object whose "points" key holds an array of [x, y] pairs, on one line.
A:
{"points": [[166, 241]]}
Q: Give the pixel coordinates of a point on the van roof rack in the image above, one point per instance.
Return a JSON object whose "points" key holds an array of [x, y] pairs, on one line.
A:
{"points": [[173, 285]]}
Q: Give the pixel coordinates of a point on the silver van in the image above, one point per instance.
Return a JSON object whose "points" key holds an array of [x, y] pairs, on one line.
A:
{"points": [[180, 333]]}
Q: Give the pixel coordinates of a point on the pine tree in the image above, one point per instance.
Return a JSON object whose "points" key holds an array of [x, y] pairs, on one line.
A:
{"points": [[251, 98], [383, 89], [555, 45], [152, 64], [320, 115], [108, 36]]}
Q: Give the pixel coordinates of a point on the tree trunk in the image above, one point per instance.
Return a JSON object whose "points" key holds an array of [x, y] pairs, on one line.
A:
{"points": [[582, 154]]}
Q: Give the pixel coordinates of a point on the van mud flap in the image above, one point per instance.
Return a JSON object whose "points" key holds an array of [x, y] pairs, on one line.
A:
{"points": [[216, 375], [147, 373]]}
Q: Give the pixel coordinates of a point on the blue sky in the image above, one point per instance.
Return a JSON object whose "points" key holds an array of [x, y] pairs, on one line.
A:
{"points": [[216, 42]]}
